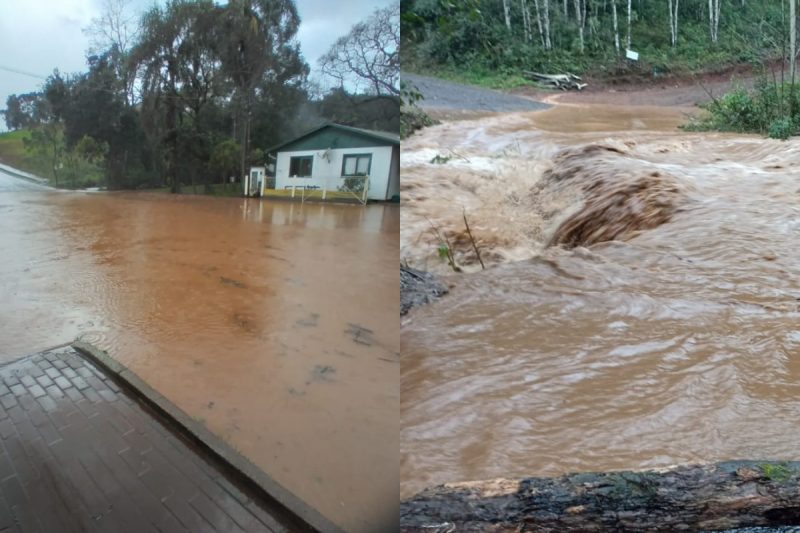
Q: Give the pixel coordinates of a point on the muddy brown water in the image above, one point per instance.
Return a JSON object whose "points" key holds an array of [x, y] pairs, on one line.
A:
{"points": [[678, 342], [275, 324]]}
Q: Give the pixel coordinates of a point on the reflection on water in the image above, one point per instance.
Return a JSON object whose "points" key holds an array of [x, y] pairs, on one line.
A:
{"points": [[273, 323], [676, 343]]}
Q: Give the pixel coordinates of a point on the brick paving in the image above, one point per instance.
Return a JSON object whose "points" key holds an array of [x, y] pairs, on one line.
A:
{"points": [[78, 454]]}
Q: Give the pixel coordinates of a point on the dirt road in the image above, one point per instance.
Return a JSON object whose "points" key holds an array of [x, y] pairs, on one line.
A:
{"points": [[441, 94]]}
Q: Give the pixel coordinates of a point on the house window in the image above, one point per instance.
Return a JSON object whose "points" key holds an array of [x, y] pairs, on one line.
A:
{"points": [[301, 166], [356, 164]]}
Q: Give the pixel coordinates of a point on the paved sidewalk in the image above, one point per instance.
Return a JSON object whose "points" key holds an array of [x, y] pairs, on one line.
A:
{"points": [[77, 454]]}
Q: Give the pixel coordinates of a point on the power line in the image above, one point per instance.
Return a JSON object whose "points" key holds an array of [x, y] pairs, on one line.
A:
{"points": [[22, 72]]}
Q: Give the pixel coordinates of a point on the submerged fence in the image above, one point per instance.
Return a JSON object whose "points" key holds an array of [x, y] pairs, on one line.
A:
{"points": [[323, 187]]}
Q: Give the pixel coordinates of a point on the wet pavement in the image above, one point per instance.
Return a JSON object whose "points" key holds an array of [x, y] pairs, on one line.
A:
{"points": [[79, 454]]}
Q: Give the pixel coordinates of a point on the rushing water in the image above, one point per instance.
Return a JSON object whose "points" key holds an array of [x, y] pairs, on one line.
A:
{"points": [[677, 342], [275, 324]]}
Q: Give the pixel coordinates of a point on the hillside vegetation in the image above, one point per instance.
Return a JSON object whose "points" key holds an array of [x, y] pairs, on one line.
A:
{"points": [[492, 42]]}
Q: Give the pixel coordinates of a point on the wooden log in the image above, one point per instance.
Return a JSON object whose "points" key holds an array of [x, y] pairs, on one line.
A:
{"points": [[686, 498], [558, 81]]}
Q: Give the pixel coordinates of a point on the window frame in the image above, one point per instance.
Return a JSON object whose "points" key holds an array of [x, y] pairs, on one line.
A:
{"points": [[356, 156], [310, 158]]}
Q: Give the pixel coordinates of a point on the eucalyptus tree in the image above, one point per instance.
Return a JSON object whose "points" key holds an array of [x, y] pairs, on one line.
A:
{"points": [[258, 45], [179, 63]]}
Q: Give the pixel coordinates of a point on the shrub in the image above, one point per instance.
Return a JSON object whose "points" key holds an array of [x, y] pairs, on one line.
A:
{"points": [[781, 128]]}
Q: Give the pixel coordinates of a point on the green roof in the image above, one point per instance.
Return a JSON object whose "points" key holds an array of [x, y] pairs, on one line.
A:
{"points": [[331, 135]]}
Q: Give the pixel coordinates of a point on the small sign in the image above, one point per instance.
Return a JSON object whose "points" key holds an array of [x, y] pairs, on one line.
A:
{"points": [[633, 56]]}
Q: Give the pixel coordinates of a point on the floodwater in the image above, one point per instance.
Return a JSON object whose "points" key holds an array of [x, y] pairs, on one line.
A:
{"points": [[676, 341], [273, 323]]}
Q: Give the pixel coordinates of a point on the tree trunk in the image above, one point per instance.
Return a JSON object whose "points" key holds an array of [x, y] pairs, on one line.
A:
{"points": [[616, 25], [579, 18], [583, 17], [687, 498], [566, 10], [628, 39], [713, 19], [548, 45], [526, 23], [673, 22], [245, 125], [539, 22], [507, 13], [792, 39]]}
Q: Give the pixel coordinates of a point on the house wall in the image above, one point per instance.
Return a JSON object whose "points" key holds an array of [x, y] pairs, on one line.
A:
{"points": [[322, 169]]}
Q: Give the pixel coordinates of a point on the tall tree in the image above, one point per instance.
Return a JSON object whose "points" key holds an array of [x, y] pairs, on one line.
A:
{"points": [[580, 16], [164, 31], [792, 39], [368, 57], [616, 25], [673, 22], [115, 31], [539, 22], [526, 20], [23, 110], [628, 38], [507, 13], [259, 44], [548, 45], [713, 19]]}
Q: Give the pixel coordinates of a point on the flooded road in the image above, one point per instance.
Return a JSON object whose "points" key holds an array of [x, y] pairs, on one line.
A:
{"points": [[275, 324], [676, 342]]}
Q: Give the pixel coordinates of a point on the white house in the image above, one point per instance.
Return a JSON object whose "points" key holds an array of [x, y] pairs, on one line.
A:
{"points": [[333, 157]]}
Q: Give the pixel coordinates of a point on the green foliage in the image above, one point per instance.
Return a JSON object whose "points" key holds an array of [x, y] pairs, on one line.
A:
{"points": [[91, 150], [409, 94], [470, 41], [412, 117], [776, 472], [781, 128], [225, 159], [47, 142], [771, 109], [32, 152]]}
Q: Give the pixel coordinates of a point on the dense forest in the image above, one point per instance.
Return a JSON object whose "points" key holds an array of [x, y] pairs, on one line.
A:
{"points": [[194, 92], [498, 39], [499, 42]]}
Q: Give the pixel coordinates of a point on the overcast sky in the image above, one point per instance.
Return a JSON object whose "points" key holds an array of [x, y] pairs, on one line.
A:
{"points": [[37, 36]]}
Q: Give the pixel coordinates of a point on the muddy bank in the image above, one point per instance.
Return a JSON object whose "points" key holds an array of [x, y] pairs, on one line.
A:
{"points": [[723, 496], [418, 288]]}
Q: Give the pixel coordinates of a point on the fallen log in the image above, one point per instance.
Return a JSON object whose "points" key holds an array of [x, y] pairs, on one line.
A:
{"points": [[559, 81], [713, 497]]}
